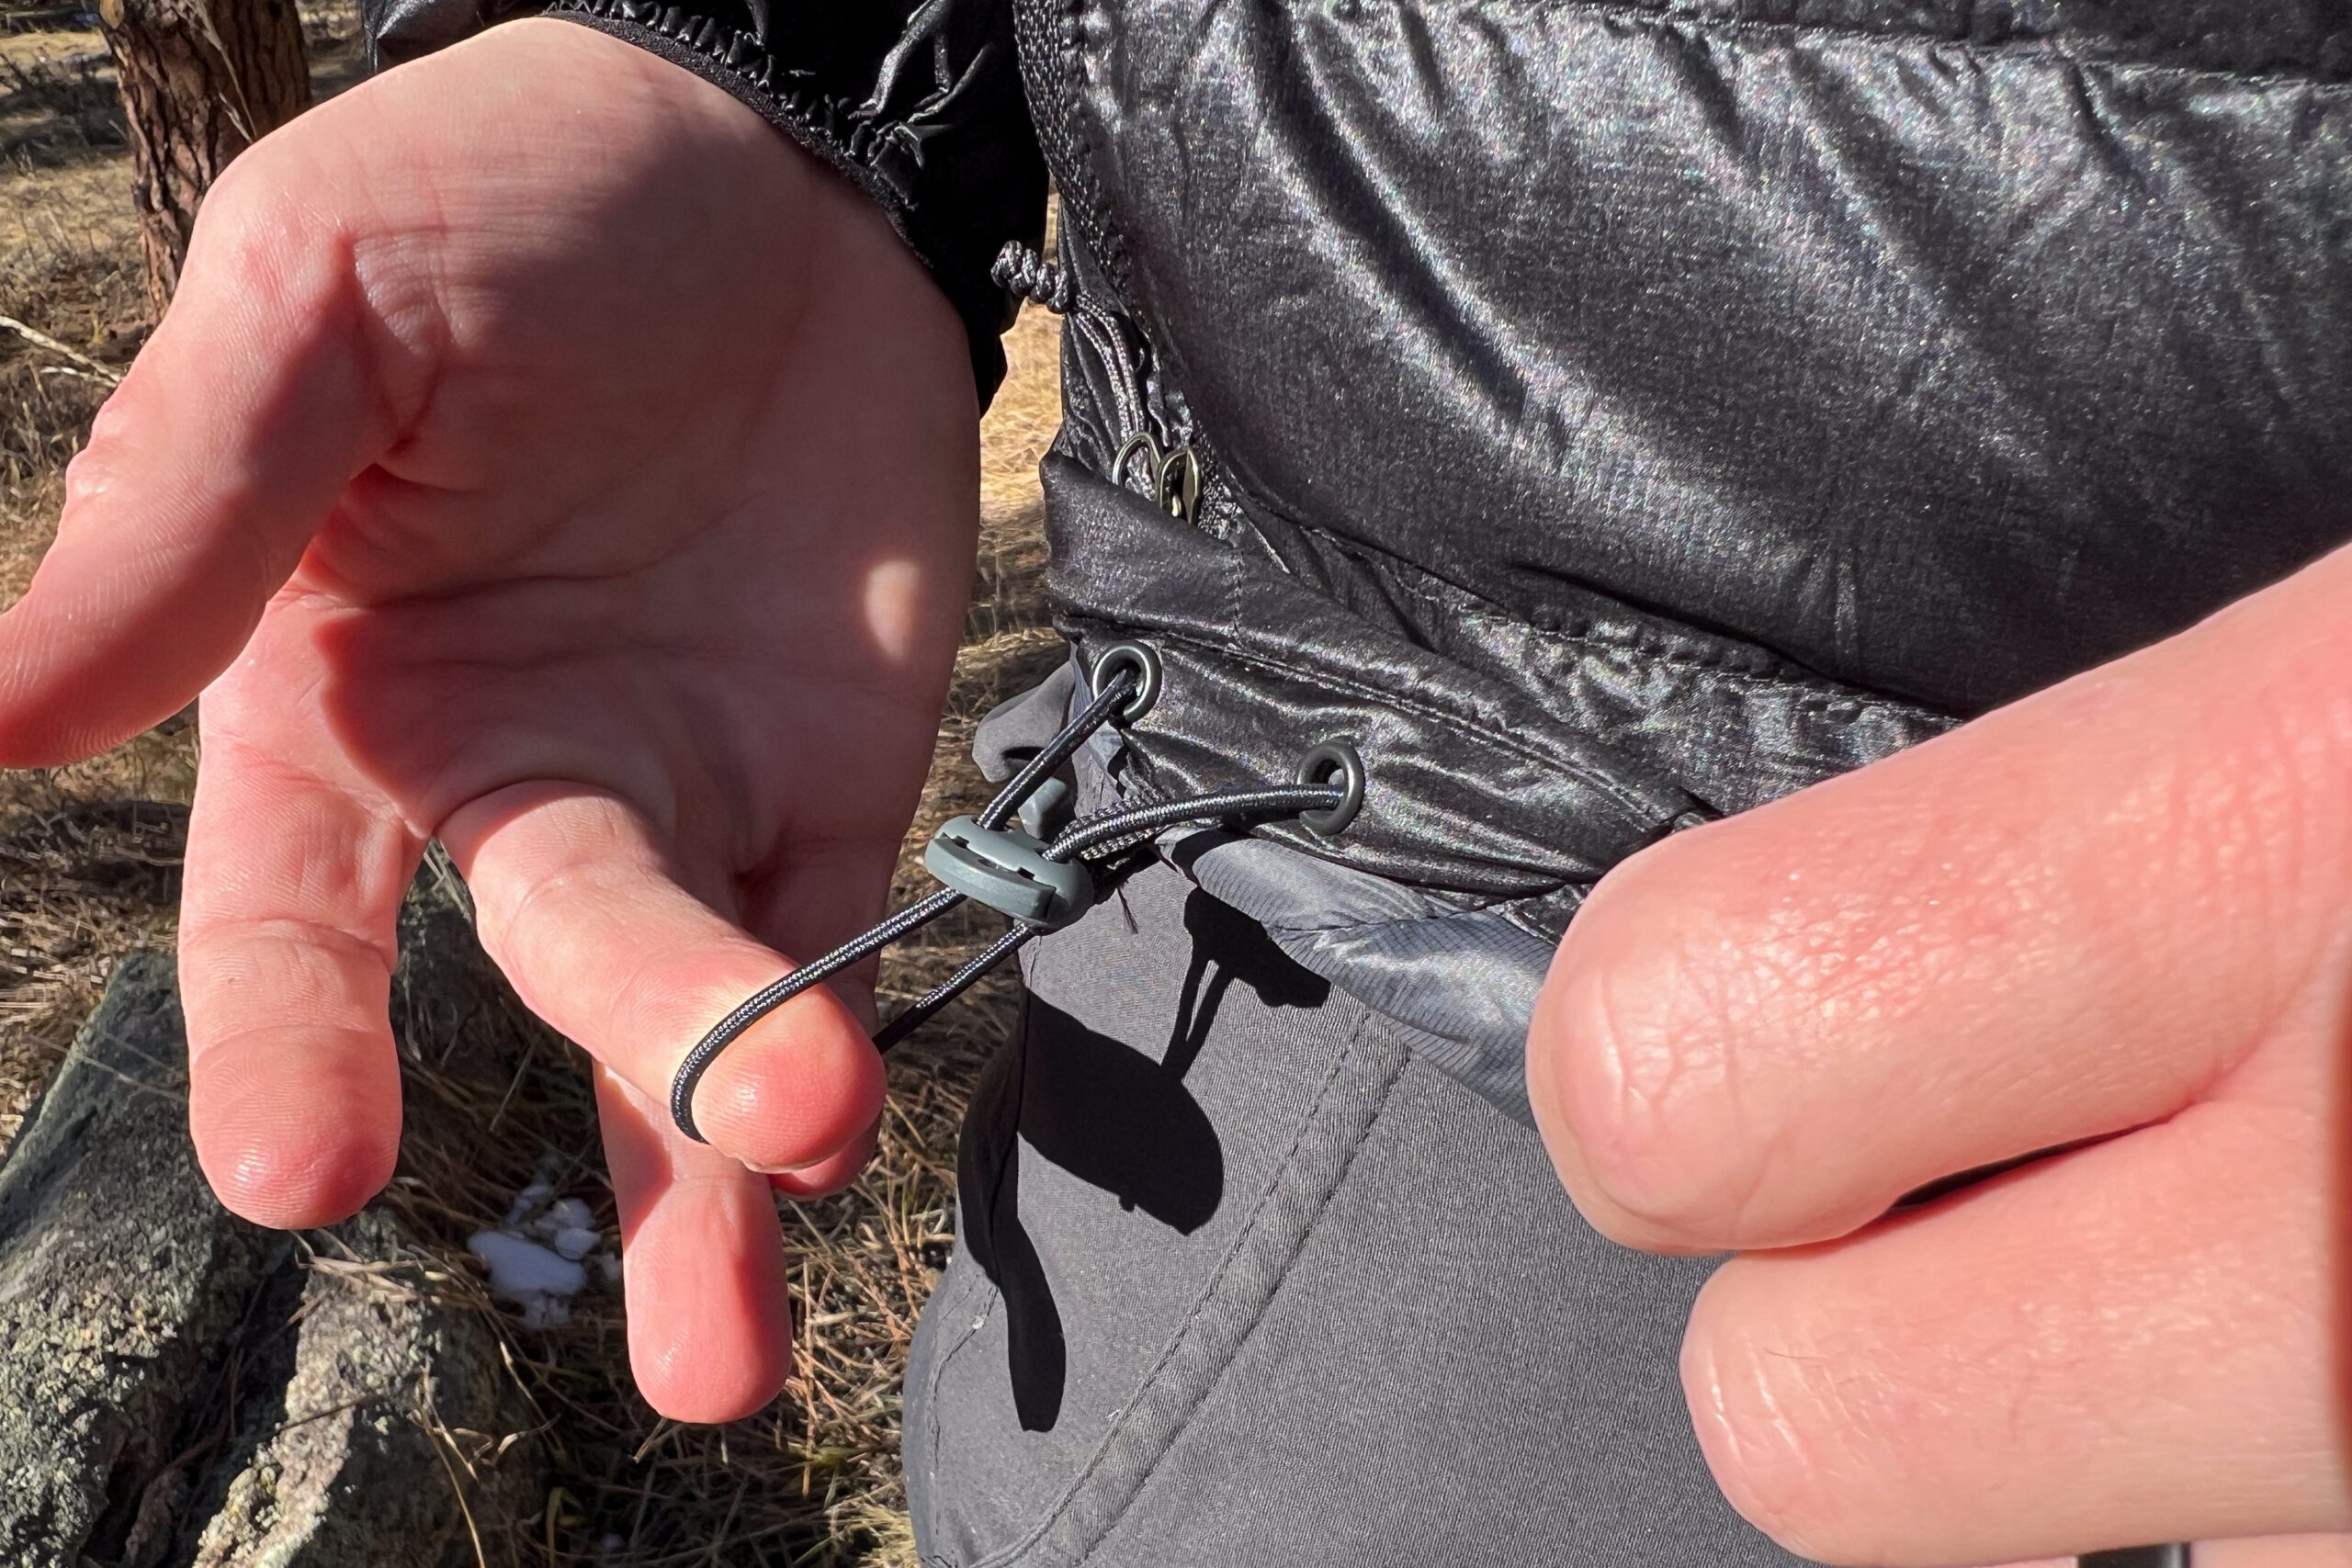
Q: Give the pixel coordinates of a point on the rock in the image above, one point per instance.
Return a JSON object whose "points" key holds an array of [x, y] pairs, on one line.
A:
{"points": [[398, 1406], [119, 1275], [182, 1390]]}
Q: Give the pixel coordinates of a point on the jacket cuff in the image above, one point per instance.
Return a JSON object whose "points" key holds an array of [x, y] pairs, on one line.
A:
{"points": [[918, 101]]}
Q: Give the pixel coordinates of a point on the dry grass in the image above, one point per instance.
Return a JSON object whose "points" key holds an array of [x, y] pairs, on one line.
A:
{"points": [[83, 876], [89, 870]]}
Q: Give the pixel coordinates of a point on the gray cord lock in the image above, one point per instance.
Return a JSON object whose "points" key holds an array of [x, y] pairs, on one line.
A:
{"points": [[1047, 812], [1009, 871]]}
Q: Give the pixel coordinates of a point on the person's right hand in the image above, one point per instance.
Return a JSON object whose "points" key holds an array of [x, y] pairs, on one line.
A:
{"points": [[543, 454]]}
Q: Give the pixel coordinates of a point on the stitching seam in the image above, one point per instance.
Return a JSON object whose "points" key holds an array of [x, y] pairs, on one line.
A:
{"points": [[1628, 805], [1808, 697], [1803, 686], [989, 1298], [1307, 1229], [2056, 49], [1201, 1303]]}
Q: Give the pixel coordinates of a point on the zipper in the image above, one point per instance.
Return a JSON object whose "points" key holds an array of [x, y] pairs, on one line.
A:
{"points": [[1163, 460]]}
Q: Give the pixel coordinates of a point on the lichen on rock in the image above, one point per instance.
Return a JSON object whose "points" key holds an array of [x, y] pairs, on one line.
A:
{"points": [[118, 1272], [184, 1390]]}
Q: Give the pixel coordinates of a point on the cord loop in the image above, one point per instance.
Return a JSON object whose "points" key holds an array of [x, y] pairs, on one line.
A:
{"points": [[1042, 885]]}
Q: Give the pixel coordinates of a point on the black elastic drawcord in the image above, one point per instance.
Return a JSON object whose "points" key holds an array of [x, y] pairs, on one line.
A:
{"points": [[1061, 748], [764, 1002], [1110, 835], [1116, 832], [727, 1030], [918, 1012]]}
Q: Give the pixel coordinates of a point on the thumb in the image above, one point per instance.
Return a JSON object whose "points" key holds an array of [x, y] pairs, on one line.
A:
{"points": [[205, 475]]}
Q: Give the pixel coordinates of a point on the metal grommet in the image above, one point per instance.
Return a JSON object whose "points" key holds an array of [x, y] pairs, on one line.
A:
{"points": [[1147, 668], [1333, 757]]}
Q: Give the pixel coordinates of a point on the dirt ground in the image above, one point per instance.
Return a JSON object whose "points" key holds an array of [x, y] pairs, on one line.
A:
{"points": [[89, 861]]}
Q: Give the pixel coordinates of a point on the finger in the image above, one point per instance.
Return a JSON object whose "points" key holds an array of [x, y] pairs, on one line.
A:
{"points": [[2276, 1551], [831, 1174], [703, 1265], [2140, 1341], [2059, 921], [206, 474], [583, 909], [287, 939]]}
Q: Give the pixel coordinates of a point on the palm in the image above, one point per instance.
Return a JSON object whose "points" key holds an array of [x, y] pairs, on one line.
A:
{"points": [[587, 479]]}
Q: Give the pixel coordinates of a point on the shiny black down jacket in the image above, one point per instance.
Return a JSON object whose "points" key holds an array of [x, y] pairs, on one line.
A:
{"points": [[1611, 413]]}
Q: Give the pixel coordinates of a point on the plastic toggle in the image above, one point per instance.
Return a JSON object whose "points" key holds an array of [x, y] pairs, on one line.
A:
{"points": [[1009, 871]]}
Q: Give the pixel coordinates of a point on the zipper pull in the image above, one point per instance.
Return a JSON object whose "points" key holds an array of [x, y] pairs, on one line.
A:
{"points": [[1172, 479]]}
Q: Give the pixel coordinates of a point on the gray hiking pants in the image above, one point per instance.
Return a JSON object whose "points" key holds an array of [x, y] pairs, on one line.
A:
{"points": [[1240, 1281]]}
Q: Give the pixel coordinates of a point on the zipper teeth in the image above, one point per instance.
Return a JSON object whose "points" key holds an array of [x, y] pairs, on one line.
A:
{"points": [[1046, 43], [1171, 457], [1046, 40], [1109, 343], [1020, 269]]}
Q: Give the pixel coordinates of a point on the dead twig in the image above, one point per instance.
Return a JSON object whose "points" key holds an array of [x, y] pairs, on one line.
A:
{"points": [[82, 362]]}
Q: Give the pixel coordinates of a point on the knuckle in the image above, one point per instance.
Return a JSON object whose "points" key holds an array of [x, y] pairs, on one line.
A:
{"points": [[271, 228], [247, 213]]}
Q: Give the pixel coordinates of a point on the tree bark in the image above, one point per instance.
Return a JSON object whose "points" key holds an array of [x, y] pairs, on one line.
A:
{"points": [[202, 80]]}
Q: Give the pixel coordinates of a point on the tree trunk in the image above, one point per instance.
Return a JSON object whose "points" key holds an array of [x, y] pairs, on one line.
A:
{"points": [[202, 80]]}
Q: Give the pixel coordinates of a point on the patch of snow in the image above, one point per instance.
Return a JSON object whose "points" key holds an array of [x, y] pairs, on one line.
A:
{"points": [[569, 1214], [530, 1198], [577, 1243], [538, 1255], [540, 1282]]}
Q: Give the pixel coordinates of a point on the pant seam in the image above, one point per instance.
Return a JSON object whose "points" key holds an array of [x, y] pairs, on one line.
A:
{"points": [[1059, 1515], [988, 1298], [1265, 1306]]}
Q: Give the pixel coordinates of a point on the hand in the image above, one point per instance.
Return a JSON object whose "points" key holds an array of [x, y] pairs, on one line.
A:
{"points": [[542, 453], [2119, 911]]}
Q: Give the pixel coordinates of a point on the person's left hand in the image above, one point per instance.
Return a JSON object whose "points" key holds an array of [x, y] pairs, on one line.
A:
{"points": [[544, 455], [2115, 914]]}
